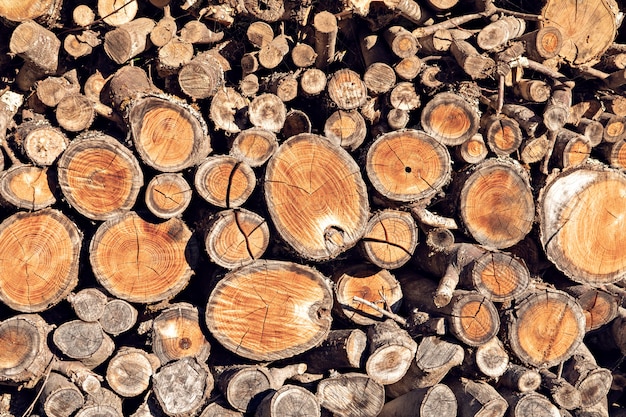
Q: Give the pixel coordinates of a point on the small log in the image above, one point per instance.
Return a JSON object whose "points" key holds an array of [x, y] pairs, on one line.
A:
{"points": [[614, 127], [530, 403], [542, 44], [215, 409], [88, 304], [201, 77], [478, 398], [496, 203], [272, 327], [164, 30], [520, 378], [127, 84], [249, 85], [168, 134], [236, 238], [474, 64], [259, 33], [284, 86], [500, 276], [326, 29], [99, 176], [245, 386], [472, 318], [547, 328], [397, 119], [615, 104], [224, 109], [271, 55], [346, 129], [434, 359], [408, 166], [82, 44], [502, 134], [118, 317], [342, 349], [303, 55], [126, 269], [592, 381], [168, 195], [491, 358], [84, 341], [351, 395], [346, 89], [450, 119], [267, 111], [45, 243], [292, 196], [391, 351], [557, 109], [197, 33], [593, 130], [289, 401], [39, 48], [370, 283], [536, 91], [404, 97], [117, 13], [390, 239], [268, 11], [182, 387], [565, 224], [600, 306], [27, 186], [41, 142], [75, 113], [128, 40], [473, 151], [379, 78], [296, 122], [129, 371], [25, 355], [614, 153], [313, 82], [498, 33], [60, 397], [401, 42], [224, 181], [563, 394], [408, 68], [52, 89], [436, 401], [254, 146]]}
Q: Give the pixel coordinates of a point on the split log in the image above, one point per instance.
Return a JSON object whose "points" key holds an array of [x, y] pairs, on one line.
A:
{"points": [[168, 195], [28, 187], [236, 238], [435, 401], [88, 304], [351, 395], [84, 341], [182, 387], [98, 176], [375, 285], [567, 224], [176, 334], [316, 197], [391, 351], [143, 262], [408, 166], [496, 203], [118, 317], [130, 370], [346, 129], [24, 353], [60, 397], [342, 349], [390, 239], [289, 401], [254, 314], [44, 244], [168, 134], [224, 181], [450, 119], [547, 328], [254, 146]]}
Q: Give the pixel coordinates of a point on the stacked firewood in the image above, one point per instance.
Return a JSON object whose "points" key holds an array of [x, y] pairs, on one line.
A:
{"points": [[283, 208]]}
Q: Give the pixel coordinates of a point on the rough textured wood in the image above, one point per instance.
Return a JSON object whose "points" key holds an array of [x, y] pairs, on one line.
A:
{"points": [[201, 77], [478, 398], [140, 261], [342, 349], [391, 351], [500, 277], [88, 304], [351, 395], [435, 401], [28, 187], [346, 89], [254, 146], [129, 371], [39, 48], [325, 26], [60, 397], [289, 401], [254, 314], [390, 239], [520, 378], [346, 129], [333, 202], [118, 317], [128, 40], [42, 142], [84, 341], [245, 386]]}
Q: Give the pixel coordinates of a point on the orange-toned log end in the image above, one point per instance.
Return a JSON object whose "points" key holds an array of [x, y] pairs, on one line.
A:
{"points": [[40, 255], [99, 177], [500, 276], [316, 197], [599, 306], [143, 262], [28, 187], [496, 203], [582, 219], [502, 134], [237, 238], [24, 352], [473, 150], [26, 10], [254, 146], [390, 239], [547, 328], [450, 119], [375, 285], [176, 334], [168, 195], [168, 135], [224, 181], [616, 155], [408, 166], [270, 310], [474, 320]]}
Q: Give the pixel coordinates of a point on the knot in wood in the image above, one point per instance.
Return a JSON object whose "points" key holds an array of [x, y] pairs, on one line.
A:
{"points": [[334, 237]]}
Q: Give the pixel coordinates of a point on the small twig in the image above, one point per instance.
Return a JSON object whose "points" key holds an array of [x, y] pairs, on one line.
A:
{"points": [[560, 371], [399, 319], [521, 15], [548, 155]]}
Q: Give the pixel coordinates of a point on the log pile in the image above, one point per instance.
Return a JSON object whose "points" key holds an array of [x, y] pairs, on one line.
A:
{"points": [[276, 208]]}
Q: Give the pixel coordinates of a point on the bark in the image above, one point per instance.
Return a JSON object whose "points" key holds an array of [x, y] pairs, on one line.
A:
{"points": [[60, 397], [342, 349], [326, 29], [478, 398], [289, 401], [500, 32], [391, 351], [520, 378], [28, 187], [129, 371], [438, 400], [563, 394], [128, 40], [201, 77], [41, 142], [502, 134], [39, 48], [296, 122], [88, 304]]}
